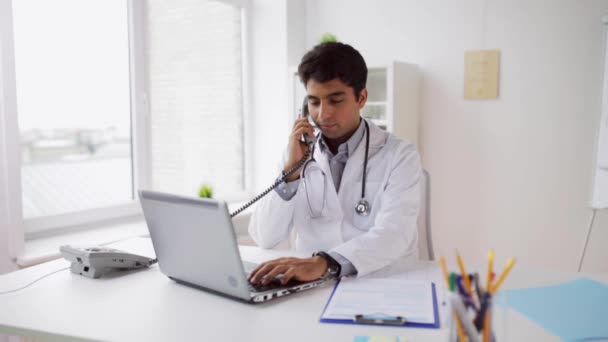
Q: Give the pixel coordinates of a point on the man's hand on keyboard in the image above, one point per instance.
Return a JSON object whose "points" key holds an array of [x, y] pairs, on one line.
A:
{"points": [[306, 269]]}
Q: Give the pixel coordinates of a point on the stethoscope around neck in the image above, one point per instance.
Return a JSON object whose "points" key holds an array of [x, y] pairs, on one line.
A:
{"points": [[363, 208]]}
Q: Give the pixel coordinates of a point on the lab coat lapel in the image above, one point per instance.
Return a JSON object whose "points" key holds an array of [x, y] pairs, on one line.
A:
{"points": [[354, 166], [333, 202]]}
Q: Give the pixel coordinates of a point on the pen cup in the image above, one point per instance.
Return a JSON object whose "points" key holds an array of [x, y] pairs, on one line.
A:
{"points": [[476, 324]]}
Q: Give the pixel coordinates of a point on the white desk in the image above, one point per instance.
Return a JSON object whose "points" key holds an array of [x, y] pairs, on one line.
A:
{"points": [[147, 306]]}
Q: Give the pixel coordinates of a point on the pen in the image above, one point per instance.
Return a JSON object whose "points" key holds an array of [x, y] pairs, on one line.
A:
{"points": [[465, 276], [479, 320], [486, 327], [467, 299], [445, 272], [490, 265], [477, 288], [464, 324], [461, 337], [502, 277]]}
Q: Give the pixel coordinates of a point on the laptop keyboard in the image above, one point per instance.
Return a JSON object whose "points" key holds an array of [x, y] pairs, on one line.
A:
{"points": [[274, 284]]}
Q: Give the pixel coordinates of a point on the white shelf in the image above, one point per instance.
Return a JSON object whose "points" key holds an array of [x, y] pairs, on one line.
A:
{"points": [[376, 103], [382, 123]]}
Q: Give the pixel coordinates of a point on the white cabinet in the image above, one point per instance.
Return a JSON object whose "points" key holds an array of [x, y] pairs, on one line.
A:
{"points": [[393, 101]]}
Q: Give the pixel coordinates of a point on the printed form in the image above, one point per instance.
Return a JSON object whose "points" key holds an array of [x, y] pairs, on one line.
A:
{"points": [[386, 297]]}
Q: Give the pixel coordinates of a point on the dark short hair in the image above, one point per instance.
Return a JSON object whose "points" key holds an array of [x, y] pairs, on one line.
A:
{"points": [[328, 61]]}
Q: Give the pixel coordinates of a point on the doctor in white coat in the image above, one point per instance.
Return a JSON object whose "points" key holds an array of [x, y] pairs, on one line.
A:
{"points": [[355, 204]]}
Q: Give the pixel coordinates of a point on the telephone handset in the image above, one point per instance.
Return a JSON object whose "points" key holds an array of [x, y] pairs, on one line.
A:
{"points": [[309, 141], [304, 113]]}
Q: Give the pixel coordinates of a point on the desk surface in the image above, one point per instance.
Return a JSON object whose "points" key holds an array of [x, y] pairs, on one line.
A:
{"points": [[147, 306]]}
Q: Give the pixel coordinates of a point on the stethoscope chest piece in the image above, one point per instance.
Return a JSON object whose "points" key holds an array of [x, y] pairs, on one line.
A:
{"points": [[362, 207]]}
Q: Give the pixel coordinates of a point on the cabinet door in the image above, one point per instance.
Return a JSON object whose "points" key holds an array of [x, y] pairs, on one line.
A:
{"points": [[376, 107]]}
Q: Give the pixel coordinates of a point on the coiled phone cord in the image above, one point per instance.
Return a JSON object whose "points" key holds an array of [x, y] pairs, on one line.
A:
{"points": [[275, 184]]}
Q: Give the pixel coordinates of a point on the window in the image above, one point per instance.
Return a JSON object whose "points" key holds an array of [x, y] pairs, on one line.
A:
{"points": [[196, 107], [109, 97], [72, 81]]}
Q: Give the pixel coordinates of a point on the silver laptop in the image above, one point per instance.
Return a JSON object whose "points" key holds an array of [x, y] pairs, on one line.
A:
{"points": [[195, 244]]}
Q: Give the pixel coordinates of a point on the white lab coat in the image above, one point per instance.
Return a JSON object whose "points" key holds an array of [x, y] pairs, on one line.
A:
{"points": [[387, 236]]}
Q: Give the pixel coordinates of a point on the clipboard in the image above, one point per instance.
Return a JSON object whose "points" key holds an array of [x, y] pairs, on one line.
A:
{"points": [[374, 319]]}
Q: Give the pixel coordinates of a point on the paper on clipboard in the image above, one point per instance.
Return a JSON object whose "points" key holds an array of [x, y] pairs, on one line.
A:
{"points": [[411, 299]]}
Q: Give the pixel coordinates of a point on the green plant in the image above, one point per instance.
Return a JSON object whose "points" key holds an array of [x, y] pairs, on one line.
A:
{"points": [[328, 38], [205, 191]]}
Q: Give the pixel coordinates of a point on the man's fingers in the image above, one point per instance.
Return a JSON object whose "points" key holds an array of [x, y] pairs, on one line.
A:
{"points": [[298, 133], [273, 273], [257, 269], [262, 269], [303, 128], [302, 124], [290, 268], [287, 276], [261, 272], [299, 122]]}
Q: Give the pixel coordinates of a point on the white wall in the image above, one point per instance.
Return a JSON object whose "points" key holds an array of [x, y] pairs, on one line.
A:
{"points": [[269, 91], [296, 32], [595, 258], [277, 41], [512, 173]]}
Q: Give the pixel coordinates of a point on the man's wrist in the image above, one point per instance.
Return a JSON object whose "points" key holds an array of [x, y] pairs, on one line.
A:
{"points": [[286, 190], [333, 267], [322, 262]]}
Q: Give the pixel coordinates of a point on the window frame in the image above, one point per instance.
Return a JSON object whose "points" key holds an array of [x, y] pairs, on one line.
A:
{"points": [[248, 122], [10, 180], [21, 229]]}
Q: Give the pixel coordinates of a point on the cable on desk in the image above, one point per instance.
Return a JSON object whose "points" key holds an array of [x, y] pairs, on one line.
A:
{"points": [[152, 262], [33, 282]]}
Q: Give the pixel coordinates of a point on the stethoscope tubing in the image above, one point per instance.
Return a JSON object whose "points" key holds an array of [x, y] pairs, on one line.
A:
{"points": [[363, 207]]}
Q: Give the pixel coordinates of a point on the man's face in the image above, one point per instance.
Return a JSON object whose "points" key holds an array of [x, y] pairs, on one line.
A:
{"points": [[334, 107]]}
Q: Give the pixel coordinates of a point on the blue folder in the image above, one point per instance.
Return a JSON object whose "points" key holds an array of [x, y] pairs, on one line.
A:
{"points": [[434, 325], [574, 311]]}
